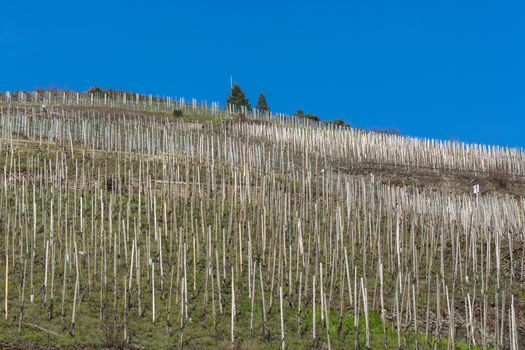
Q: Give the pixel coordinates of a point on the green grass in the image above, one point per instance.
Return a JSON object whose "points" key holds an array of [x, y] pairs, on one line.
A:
{"points": [[199, 332]]}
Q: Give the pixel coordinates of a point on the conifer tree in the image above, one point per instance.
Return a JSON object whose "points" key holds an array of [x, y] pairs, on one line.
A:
{"points": [[262, 104], [237, 97]]}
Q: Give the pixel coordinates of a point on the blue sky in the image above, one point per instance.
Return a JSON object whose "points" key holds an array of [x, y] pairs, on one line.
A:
{"points": [[447, 69]]}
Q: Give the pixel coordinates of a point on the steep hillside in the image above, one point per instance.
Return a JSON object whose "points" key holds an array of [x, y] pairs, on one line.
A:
{"points": [[125, 226]]}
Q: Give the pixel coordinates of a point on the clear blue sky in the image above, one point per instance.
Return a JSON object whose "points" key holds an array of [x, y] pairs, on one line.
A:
{"points": [[446, 69]]}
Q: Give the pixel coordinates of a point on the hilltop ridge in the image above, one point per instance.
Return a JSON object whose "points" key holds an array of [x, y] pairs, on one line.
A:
{"points": [[498, 170]]}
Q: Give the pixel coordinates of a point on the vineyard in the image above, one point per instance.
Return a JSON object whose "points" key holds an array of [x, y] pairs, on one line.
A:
{"points": [[123, 226]]}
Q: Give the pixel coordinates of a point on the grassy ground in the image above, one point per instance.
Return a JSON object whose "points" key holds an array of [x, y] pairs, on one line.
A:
{"points": [[200, 333], [44, 323]]}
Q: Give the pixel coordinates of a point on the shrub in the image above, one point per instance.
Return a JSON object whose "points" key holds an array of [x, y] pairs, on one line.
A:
{"points": [[340, 123], [391, 131], [177, 113], [312, 117], [95, 90]]}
